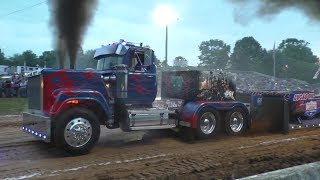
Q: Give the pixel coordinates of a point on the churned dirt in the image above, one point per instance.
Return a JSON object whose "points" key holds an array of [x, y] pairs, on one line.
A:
{"points": [[154, 155]]}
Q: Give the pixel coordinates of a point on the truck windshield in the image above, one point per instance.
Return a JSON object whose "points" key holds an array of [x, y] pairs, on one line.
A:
{"points": [[109, 62]]}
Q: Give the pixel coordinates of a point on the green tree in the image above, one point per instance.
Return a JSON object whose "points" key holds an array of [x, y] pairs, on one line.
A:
{"points": [[266, 64], [295, 60], [16, 60], [214, 54], [30, 58], [247, 54], [293, 48], [48, 59], [85, 60], [180, 61], [3, 59], [159, 63]]}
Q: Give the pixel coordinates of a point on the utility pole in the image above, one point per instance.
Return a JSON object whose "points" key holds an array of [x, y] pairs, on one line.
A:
{"points": [[24, 66], [166, 53], [274, 59]]}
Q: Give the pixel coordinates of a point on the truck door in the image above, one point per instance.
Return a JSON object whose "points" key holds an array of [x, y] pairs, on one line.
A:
{"points": [[142, 83]]}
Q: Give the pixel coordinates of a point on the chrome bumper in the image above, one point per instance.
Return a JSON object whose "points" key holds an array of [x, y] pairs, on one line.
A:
{"points": [[37, 125]]}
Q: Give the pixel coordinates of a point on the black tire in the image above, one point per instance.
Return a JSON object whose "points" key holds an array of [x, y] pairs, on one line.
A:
{"points": [[65, 120], [241, 122], [208, 124]]}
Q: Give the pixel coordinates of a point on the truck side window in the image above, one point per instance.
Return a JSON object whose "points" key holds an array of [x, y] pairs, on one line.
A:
{"points": [[137, 61], [148, 57], [141, 60]]}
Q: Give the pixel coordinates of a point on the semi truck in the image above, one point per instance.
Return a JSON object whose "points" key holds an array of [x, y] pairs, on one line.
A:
{"points": [[67, 107]]}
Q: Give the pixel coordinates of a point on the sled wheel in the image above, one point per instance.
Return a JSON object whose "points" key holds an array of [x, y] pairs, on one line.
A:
{"points": [[208, 123], [77, 131], [236, 122]]}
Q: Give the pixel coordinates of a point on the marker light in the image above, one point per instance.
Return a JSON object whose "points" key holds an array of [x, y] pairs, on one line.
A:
{"points": [[73, 102], [35, 133]]}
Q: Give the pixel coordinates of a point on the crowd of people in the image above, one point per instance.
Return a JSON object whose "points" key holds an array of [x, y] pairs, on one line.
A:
{"points": [[11, 85], [253, 81]]}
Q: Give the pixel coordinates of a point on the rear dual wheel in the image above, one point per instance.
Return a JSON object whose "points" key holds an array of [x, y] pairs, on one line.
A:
{"points": [[236, 122], [208, 123]]}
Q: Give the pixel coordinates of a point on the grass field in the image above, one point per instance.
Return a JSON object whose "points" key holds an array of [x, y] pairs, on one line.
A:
{"points": [[12, 105]]}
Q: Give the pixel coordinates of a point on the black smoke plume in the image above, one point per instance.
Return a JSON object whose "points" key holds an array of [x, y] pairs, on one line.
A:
{"points": [[70, 19], [269, 8]]}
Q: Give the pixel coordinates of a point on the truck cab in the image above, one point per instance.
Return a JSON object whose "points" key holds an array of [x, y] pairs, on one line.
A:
{"points": [[135, 69]]}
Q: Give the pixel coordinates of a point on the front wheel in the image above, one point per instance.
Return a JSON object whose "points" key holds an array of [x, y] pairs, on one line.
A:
{"points": [[236, 122], [208, 123], [77, 131]]}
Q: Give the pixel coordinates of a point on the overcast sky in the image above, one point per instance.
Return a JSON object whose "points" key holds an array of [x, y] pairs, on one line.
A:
{"points": [[132, 21]]}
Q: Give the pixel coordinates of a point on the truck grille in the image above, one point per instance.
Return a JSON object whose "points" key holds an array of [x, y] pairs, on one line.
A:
{"points": [[34, 92]]}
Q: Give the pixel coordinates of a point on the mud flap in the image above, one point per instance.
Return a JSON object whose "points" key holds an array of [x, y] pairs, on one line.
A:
{"points": [[271, 116], [286, 117]]}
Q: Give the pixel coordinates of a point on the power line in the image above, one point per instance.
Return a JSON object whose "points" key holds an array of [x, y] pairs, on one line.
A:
{"points": [[26, 8]]}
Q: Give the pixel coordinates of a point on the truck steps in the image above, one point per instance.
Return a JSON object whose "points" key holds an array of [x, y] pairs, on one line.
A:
{"points": [[139, 128]]}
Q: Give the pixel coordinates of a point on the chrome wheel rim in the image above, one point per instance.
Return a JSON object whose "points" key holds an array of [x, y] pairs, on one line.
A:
{"points": [[236, 122], [207, 123], [78, 132]]}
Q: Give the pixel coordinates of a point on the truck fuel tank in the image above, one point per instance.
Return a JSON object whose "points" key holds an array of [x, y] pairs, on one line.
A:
{"points": [[150, 116]]}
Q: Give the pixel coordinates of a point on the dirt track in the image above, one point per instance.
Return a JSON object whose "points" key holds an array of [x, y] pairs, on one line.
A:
{"points": [[156, 155]]}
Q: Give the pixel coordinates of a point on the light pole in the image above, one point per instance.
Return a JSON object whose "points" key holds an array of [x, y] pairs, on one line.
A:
{"points": [[274, 59], [164, 15], [166, 51]]}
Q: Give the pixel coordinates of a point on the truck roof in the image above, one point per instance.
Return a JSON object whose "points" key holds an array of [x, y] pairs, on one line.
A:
{"points": [[117, 48]]}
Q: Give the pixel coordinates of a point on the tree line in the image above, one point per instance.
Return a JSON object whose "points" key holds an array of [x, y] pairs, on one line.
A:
{"points": [[47, 59], [293, 58]]}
